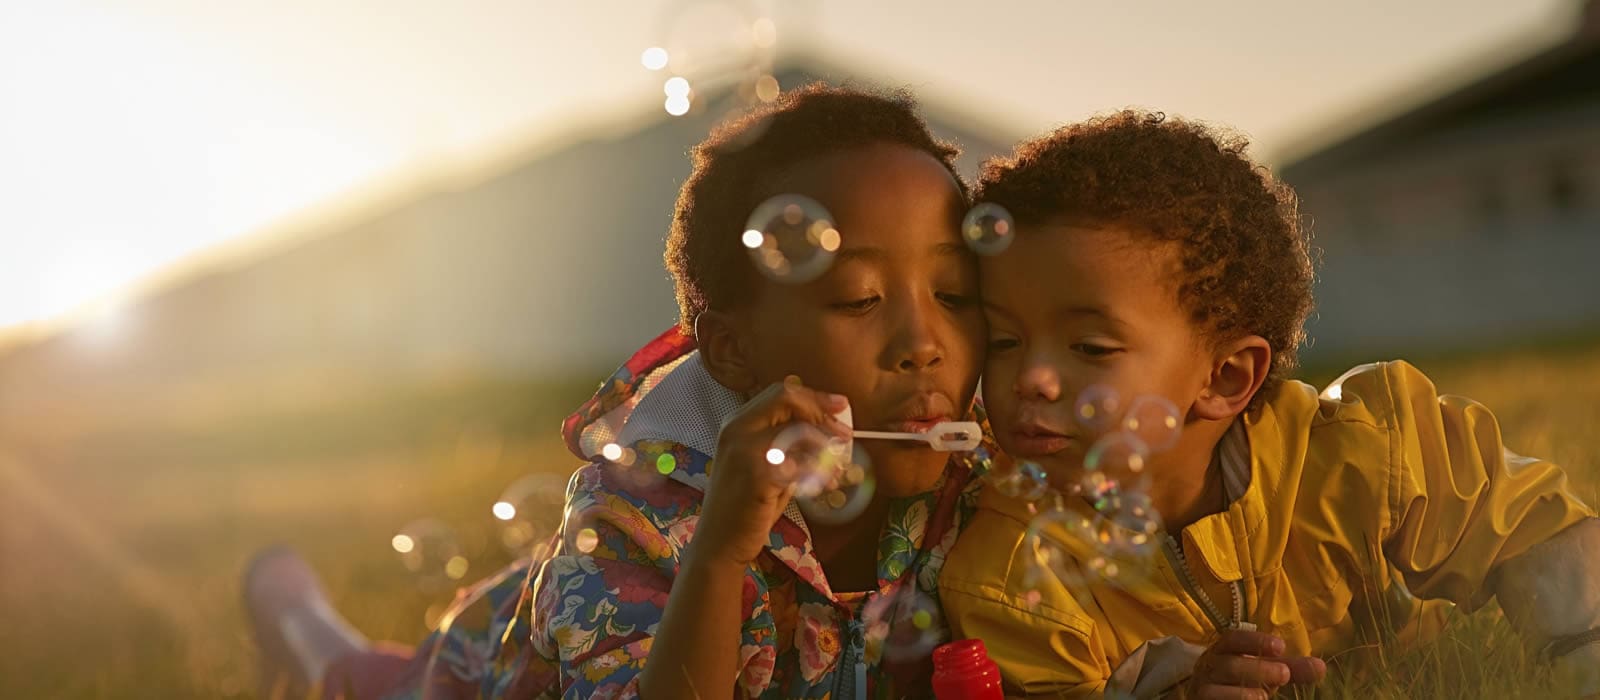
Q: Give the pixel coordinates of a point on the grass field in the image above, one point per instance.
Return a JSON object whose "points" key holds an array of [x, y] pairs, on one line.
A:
{"points": [[121, 543]]}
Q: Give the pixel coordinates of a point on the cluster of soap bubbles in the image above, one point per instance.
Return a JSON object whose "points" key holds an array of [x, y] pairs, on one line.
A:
{"points": [[705, 38], [793, 239], [523, 520], [526, 517], [1097, 522]]}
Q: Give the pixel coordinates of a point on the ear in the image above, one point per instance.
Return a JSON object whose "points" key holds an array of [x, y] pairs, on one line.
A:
{"points": [[719, 337], [1237, 373]]}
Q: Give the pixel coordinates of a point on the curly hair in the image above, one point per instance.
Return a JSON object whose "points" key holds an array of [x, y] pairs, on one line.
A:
{"points": [[734, 164], [1245, 255]]}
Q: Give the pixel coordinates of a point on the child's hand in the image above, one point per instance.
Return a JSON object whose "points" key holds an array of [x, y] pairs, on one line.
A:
{"points": [[1244, 664], [747, 493]]}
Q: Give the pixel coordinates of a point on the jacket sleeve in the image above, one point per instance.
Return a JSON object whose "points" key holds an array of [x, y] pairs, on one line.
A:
{"points": [[598, 602], [1458, 503]]}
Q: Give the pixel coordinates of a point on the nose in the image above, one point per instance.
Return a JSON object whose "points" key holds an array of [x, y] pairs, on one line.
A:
{"points": [[918, 343], [1038, 380]]}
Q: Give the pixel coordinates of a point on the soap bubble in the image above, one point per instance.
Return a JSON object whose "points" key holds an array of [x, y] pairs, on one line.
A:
{"points": [[585, 539], [676, 86], [988, 229], [791, 238], [1025, 480], [1120, 455], [431, 551], [654, 58], [1049, 565], [1155, 421], [811, 459], [1127, 524], [1097, 408], [908, 621], [1079, 550], [700, 38], [845, 493], [529, 511]]}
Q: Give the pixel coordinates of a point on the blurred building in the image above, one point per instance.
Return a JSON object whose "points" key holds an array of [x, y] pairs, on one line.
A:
{"points": [[1471, 220], [548, 267]]}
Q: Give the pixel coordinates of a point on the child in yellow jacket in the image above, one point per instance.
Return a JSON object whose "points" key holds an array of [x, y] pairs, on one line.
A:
{"points": [[1153, 261]]}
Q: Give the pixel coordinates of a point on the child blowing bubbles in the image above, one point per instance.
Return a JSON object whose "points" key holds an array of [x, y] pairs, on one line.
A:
{"points": [[894, 326], [758, 601], [1153, 258]]}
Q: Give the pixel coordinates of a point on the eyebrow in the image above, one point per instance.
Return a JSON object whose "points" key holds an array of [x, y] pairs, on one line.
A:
{"points": [[865, 254], [949, 248], [1091, 310], [874, 254]]}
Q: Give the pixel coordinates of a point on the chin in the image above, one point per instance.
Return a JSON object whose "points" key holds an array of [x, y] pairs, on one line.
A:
{"points": [[909, 473], [1065, 462]]}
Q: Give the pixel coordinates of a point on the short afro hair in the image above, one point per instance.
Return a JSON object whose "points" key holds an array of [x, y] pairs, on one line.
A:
{"points": [[709, 266], [1247, 266]]}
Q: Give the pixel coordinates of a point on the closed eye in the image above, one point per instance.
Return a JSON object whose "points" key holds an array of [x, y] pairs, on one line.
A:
{"points": [[956, 301], [858, 305], [1002, 344], [1093, 350]]}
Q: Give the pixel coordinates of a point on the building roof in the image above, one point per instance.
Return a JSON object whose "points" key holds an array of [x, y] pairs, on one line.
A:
{"points": [[1558, 77]]}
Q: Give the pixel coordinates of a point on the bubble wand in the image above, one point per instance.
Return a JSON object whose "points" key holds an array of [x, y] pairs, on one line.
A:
{"points": [[949, 436]]}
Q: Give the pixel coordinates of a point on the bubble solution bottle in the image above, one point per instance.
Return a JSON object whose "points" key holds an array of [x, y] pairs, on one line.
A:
{"points": [[962, 670]]}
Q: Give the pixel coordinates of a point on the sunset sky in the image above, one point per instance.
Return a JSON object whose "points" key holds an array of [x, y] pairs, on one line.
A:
{"points": [[135, 135]]}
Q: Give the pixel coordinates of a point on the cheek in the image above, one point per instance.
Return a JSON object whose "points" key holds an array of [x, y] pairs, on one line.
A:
{"points": [[1173, 375], [997, 394], [974, 330], [966, 346], [1134, 378], [785, 341], [834, 357]]}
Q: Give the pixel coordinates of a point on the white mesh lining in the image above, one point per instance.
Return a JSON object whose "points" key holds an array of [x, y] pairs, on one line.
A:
{"points": [[680, 402], [605, 430], [1234, 454], [685, 406]]}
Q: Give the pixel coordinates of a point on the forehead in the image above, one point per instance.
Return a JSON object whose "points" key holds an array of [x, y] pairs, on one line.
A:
{"points": [[1052, 266], [875, 190]]}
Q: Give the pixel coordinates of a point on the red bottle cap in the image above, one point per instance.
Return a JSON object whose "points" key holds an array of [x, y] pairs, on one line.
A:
{"points": [[962, 670]]}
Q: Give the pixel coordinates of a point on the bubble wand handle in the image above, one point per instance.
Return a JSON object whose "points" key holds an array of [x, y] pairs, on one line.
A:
{"points": [[950, 436]]}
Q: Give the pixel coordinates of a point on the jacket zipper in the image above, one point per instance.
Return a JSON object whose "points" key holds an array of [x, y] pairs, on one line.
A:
{"points": [[850, 677], [1180, 564]]}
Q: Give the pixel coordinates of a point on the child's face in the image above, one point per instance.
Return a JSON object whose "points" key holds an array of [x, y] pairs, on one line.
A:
{"points": [[1071, 307], [894, 324]]}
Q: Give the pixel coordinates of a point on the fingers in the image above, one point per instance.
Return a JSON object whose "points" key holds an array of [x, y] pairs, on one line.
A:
{"points": [[790, 402], [1247, 664], [1305, 670], [1247, 671]]}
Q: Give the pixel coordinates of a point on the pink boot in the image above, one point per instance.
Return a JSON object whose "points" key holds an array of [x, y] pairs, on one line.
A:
{"points": [[300, 635]]}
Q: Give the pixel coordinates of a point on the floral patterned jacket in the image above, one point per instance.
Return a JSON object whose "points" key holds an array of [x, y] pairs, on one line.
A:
{"points": [[582, 622]]}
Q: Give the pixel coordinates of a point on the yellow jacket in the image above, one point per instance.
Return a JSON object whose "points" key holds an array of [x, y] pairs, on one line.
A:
{"points": [[1379, 476]]}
